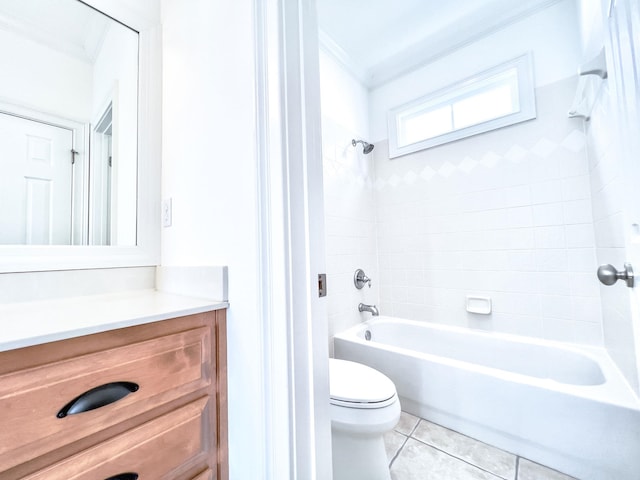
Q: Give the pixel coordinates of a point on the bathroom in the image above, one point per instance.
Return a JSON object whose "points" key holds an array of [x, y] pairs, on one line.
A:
{"points": [[228, 139], [516, 218]]}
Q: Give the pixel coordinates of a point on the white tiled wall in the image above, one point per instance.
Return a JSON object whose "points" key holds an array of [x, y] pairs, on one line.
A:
{"points": [[349, 196], [607, 182], [505, 214], [350, 226]]}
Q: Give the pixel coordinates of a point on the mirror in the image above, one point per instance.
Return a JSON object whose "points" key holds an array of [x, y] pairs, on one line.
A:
{"points": [[68, 125]]}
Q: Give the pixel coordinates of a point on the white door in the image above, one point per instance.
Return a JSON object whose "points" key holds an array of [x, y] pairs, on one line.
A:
{"points": [[35, 182]]}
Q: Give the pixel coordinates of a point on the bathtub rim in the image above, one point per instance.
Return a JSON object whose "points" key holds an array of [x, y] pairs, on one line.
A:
{"points": [[615, 390]]}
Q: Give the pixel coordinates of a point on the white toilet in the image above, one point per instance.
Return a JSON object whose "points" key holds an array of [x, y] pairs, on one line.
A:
{"points": [[364, 405]]}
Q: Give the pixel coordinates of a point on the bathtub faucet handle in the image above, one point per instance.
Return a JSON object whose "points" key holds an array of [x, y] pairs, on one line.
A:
{"points": [[359, 279]]}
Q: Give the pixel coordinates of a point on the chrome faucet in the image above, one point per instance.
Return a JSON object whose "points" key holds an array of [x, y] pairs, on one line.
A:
{"points": [[369, 308]]}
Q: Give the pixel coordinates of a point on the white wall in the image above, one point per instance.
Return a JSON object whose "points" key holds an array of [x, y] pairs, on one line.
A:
{"points": [[551, 34], [209, 170], [348, 195], [44, 79]]}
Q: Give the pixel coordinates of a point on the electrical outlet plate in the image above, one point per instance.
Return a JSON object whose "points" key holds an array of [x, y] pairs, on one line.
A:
{"points": [[166, 212]]}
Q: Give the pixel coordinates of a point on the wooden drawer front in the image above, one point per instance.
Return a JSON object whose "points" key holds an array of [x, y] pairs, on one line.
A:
{"points": [[165, 368], [160, 449], [208, 475]]}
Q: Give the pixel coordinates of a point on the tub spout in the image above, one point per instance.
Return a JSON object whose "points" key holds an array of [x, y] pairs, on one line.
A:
{"points": [[369, 308]]}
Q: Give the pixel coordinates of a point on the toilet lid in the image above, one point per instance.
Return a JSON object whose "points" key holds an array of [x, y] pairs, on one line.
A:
{"points": [[359, 386]]}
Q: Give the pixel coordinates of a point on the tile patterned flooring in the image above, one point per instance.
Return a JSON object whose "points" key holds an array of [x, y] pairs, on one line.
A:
{"points": [[420, 450]]}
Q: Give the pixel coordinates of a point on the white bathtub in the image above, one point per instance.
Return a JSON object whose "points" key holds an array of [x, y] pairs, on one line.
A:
{"points": [[564, 406]]}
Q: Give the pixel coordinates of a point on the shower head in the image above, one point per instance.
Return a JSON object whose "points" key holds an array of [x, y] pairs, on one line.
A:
{"points": [[366, 147]]}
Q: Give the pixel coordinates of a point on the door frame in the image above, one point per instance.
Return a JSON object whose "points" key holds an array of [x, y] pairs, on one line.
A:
{"points": [[291, 230]]}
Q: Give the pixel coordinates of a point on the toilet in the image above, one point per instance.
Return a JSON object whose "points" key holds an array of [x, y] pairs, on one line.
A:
{"points": [[363, 406]]}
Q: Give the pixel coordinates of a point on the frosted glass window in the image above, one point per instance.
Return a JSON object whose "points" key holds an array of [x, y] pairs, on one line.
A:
{"points": [[493, 99], [428, 124]]}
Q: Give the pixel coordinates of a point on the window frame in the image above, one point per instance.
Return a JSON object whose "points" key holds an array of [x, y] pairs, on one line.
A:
{"points": [[459, 91]]}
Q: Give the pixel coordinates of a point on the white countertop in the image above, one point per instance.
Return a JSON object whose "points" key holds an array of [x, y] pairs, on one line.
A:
{"points": [[33, 323]]}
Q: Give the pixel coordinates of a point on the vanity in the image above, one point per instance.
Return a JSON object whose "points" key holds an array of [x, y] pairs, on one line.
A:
{"points": [[117, 386]]}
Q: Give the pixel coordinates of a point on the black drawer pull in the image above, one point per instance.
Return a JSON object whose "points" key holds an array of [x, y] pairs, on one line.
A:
{"points": [[99, 397], [124, 476]]}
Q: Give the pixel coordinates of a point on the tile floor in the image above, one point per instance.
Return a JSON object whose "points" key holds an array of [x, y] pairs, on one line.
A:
{"points": [[420, 450]]}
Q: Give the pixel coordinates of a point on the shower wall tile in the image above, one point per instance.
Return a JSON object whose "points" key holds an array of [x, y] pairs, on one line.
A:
{"points": [[506, 214], [608, 185], [350, 220]]}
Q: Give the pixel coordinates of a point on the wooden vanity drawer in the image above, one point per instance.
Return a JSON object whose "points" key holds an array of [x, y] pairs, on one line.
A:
{"points": [[165, 368], [171, 447]]}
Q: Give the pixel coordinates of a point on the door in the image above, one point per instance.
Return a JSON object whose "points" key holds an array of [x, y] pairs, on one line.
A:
{"points": [[35, 184]]}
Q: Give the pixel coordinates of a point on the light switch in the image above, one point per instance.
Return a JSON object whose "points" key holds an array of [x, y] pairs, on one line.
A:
{"points": [[166, 212]]}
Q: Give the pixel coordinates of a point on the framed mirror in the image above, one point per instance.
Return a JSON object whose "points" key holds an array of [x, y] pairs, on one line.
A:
{"points": [[79, 134], [68, 125]]}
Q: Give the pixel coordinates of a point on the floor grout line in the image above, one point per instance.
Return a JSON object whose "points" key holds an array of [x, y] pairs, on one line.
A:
{"points": [[413, 430], [458, 458], [406, 439]]}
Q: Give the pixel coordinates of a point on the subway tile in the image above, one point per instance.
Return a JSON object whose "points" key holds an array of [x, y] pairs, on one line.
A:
{"points": [[518, 303], [586, 309], [577, 211], [519, 217], [588, 334], [528, 325], [576, 188], [581, 259], [516, 282], [549, 237], [554, 283], [546, 192], [520, 238], [522, 260], [580, 236], [584, 285], [609, 231], [573, 165], [518, 196], [557, 306], [552, 260], [547, 214]]}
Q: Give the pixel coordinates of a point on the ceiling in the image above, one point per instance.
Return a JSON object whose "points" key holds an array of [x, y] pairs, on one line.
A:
{"points": [[378, 40], [65, 25]]}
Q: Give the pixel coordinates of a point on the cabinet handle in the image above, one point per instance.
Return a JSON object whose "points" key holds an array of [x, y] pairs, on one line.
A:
{"points": [[124, 476], [99, 397]]}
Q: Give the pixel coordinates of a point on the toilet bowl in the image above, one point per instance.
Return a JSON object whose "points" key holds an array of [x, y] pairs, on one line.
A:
{"points": [[363, 406]]}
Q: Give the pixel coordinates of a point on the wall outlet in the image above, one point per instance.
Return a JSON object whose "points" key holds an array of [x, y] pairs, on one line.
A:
{"points": [[166, 212]]}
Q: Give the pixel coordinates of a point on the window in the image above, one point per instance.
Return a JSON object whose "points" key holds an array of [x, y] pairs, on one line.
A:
{"points": [[498, 97]]}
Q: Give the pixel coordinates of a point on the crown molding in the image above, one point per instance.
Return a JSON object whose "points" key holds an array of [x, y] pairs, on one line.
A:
{"points": [[346, 61], [431, 48]]}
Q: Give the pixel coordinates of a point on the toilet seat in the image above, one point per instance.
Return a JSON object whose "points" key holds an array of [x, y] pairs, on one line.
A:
{"points": [[355, 385]]}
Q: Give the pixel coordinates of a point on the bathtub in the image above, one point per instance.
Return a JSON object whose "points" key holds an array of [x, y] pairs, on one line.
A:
{"points": [[564, 406]]}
